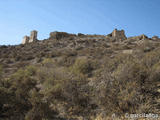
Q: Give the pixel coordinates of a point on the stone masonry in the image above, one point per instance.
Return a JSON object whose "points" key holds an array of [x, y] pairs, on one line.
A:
{"points": [[32, 38], [119, 34], [59, 35], [25, 40]]}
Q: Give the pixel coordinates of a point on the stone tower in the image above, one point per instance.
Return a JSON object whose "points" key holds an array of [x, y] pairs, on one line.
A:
{"points": [[33, 36], [25, 40], [119, 34]]}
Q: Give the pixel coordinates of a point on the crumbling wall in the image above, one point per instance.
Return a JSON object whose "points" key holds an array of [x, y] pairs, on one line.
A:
{"points": [[59, 35], [25, 40], [118, 34], [32, 38]]}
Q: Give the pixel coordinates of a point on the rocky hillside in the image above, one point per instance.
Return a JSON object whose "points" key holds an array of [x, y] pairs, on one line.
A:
{"points": [[59, 44], [79, 77]]}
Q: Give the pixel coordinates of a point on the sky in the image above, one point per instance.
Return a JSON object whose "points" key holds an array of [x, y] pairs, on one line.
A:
{"points": [[19, 17]]}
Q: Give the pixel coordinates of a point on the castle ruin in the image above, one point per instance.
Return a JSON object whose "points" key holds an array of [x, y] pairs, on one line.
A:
{"points": [[116, 35], [59, 35], [119, 34], [25, 39], [32, 38]]}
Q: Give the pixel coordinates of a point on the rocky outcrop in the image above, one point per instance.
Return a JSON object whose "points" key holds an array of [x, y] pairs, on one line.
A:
{"points": [[80, 35], [155, 38], [140, 37]]}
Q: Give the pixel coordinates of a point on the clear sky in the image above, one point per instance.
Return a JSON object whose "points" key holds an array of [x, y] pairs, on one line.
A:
{"points": [[19, 17]]}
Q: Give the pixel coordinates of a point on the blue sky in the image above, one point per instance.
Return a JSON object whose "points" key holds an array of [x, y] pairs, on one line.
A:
{"points": [[19, 17]]}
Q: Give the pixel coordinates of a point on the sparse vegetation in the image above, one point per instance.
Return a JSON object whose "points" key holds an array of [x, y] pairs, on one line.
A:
{"points": [[57, 82]]}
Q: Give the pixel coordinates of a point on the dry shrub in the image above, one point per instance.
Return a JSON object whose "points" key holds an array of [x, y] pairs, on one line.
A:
{"points": [[124, 87]]}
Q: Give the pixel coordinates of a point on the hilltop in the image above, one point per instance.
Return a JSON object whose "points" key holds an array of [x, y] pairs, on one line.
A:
{"points": [[60, 43], [78, 76]]}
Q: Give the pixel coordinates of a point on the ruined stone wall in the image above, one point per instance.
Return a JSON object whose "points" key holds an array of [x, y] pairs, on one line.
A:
{"points": [[25, 40], [32, 38], [59, 35], [116, 35], [119, 34]]}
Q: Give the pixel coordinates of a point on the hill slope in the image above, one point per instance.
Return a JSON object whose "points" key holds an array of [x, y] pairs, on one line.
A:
{"points": [[80, 76]]}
